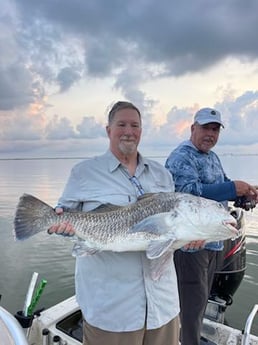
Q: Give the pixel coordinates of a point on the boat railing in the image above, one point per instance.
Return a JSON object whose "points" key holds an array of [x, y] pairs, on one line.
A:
{"points": [[13, 327], [248, 326]]}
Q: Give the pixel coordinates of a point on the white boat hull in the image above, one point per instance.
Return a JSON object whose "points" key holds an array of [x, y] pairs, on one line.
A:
{"points": [[224, 335], [49, 319]]}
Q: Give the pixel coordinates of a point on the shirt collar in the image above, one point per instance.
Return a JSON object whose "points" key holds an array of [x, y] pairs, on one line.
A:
{"points": [[114, 163], [189, 143]]}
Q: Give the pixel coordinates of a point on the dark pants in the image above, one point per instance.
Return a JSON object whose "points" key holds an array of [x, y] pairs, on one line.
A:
{"points": [[165, 335], [195, 272]]}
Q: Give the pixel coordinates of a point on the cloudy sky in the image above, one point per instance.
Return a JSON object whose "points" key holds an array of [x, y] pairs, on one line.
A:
{"points": [[64, 63]]}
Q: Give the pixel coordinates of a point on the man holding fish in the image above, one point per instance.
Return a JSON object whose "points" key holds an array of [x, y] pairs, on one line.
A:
{"points": [[120, 302], [197, 170], [125, 277]]}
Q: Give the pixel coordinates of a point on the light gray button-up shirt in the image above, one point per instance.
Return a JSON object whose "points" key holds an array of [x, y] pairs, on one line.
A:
{"points": [[115, 290]]}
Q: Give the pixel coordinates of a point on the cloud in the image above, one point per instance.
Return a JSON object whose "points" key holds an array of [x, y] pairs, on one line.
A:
{"points": [[59, 128], [90, 129], [240, 118], [239, 115], [63, 40], [59, 133], [184, 38], [50, 49], [25, 127], [67, 77], [16, 79], [18, 95]]}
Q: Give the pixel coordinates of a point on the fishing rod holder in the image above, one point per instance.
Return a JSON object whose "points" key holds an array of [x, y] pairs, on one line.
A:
{"points": [[25, 321]]}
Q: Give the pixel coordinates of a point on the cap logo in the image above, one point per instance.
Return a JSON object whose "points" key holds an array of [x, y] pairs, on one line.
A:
{"points": [[213, 112]]}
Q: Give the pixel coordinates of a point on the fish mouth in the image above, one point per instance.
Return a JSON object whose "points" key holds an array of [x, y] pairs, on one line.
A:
{"points": [[231, 225]]}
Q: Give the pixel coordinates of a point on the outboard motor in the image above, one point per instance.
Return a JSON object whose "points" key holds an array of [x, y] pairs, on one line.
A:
{"points": [[231, 266]]}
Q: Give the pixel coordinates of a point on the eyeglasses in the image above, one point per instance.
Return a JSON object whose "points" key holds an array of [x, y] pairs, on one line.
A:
{"points": [[134, 180]]}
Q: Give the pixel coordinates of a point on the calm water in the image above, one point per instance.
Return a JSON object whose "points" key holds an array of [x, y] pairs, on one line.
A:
{"points": [[50, 256]]}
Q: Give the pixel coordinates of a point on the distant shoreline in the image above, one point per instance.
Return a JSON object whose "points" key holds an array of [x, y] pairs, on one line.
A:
{"points": [[88, 157]]}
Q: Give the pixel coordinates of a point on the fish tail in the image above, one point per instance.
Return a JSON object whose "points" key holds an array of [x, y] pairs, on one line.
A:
{"points": [[30, 217]]}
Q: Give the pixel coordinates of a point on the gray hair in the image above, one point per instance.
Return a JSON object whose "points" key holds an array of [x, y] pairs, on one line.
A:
{"points": [[121, 105]]}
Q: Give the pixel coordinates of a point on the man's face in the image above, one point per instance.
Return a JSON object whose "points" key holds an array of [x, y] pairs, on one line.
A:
{"points": [[124, 131], [204, 137]]}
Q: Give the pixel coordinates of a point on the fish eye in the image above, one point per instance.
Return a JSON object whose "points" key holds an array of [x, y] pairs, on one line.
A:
{"points": [[220, 205]]}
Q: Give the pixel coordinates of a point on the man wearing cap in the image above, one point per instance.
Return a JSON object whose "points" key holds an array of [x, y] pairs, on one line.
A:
{"points": [[197, 170]]}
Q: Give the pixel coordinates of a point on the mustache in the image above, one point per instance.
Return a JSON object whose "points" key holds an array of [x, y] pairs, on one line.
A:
{"points": [[210, 140], [127, 137]]}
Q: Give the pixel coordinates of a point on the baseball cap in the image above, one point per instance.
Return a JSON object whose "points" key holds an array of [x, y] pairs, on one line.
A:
{"points": [[208, 115]]}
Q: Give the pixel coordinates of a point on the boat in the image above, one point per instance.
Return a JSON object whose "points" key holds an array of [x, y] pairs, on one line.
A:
{"points": [[61, 324]]}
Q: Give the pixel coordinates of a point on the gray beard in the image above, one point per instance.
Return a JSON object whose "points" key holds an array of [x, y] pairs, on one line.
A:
{"points": [[127, 149]]}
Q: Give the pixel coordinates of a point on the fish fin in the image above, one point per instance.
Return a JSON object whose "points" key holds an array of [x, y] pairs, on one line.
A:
{"points": [[81, 248], [158, 248], [145, 196], [111, 207], [106, 208], [28, 213], [158, 266], [155, 224]]}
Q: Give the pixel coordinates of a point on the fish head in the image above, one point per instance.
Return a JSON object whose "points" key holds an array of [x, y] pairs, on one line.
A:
{"points": [[204, 219]]}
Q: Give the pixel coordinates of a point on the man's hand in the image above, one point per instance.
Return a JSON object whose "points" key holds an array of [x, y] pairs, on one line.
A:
{"points": [[194, 245], [65, 228], [245, 189]]}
